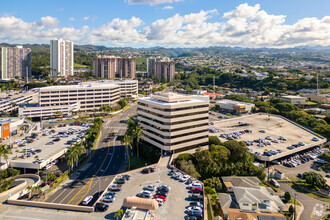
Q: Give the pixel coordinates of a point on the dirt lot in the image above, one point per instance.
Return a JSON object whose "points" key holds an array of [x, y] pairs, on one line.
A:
{"points": [[273, 127]]}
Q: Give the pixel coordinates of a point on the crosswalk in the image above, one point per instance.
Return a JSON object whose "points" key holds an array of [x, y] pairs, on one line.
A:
{"points": [[117, 128]]}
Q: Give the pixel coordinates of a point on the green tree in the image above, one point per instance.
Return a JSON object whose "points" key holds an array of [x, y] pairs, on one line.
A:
{"points": [[119, 213], [314, 179], [214, 140], [4, 152], [287, 196], [138, 134], [127, 140], [122, 103]]}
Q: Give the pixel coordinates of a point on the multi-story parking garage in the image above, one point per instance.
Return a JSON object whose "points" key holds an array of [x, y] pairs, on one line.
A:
{"points": [[174, 122], [89, 96]]}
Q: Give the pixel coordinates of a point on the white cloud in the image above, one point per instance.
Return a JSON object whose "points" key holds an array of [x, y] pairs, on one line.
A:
{"points": [[71, 18], [169, 7], [246, 26], [86, 18], [151, 2]]}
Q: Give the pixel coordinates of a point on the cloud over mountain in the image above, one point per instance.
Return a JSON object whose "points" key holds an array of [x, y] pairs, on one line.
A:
{"points": [[247, 26]]}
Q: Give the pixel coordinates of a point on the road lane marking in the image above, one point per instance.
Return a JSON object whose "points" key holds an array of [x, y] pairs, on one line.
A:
{"points": [[91, 178], [80, 190]]}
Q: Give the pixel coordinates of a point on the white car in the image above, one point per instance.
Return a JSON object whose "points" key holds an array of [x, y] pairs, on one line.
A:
{"points": [[108, 199], [194, 208], [160, 201], [195, 184], [87, 200]]}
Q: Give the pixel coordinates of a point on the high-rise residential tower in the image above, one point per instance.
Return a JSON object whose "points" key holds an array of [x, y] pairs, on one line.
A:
{"points": [[111, 67], [15, 61], [61, 58], [162, 69]]}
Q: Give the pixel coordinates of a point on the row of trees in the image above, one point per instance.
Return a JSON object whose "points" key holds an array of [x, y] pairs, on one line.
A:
{"points": [[230, 158], [78, 148], [133, 135]]}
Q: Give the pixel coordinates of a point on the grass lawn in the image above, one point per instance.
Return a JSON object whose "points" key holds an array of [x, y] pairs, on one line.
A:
{"points": [[76, 65], [310, 103], [297, 202], [262, 184], [209, 214], [299, 189], [137, 162]]}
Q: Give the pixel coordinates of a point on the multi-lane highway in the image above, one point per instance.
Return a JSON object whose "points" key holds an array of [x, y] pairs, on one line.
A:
{"points": [[109, 159]]}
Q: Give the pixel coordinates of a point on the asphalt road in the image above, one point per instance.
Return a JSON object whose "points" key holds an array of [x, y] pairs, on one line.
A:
{"points": [[108, 160], [313, 208]]}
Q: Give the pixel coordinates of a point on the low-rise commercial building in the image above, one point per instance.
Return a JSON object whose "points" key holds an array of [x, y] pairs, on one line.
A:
{"points": [[235, 107], [10, 126], [174, 122], [294, 99]]}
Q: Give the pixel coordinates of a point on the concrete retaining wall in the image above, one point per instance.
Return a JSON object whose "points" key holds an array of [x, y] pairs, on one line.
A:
{"points": [[51, 205]]}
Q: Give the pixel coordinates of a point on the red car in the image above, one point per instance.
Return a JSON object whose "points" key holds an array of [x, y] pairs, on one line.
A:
{"points": [[160, 196], [196, 190]]}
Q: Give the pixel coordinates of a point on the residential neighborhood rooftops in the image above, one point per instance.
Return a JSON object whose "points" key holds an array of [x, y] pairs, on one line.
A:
{"points": [[243, 181], [234, 214]]}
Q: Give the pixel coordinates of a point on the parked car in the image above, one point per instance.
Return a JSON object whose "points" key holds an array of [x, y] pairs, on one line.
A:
{"points": [[120, 180], [101, 207], [149, 188], [87, 200], [108, 199], [114, 187], [157, 196], [275, 183], [196, 204], [146, 170], [144, 194]]}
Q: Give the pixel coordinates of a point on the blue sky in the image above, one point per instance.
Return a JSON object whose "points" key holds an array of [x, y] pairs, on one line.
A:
{"points": [[86, 18]]}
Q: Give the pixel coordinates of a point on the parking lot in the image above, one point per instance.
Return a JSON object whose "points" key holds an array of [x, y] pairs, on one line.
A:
{"points": [[45, 147], [175, 206], [265, 135]]}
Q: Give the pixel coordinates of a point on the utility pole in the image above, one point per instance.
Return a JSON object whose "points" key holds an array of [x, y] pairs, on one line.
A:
{"points": [[317, 84], [213, 87], [27, 75], [294, 210]]}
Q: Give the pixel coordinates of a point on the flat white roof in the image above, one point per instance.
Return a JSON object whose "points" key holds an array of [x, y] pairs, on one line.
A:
{"points": [[293, 97], [229, 101], [79, 86], [163, 103]]}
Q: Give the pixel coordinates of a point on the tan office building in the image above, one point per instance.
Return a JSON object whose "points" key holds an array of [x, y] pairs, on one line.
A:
{"points": [[111, 67], [174, 122], [161, 68]]}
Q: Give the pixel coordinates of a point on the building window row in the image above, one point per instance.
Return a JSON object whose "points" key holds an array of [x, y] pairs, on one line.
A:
{"points": [[173, 130], [176, 143], [174, 123], [175, 136], [173, 116], [173, 109]]}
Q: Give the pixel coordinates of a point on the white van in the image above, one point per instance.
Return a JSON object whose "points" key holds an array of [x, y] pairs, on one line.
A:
{"points": [[275, 183], [87, 200]]}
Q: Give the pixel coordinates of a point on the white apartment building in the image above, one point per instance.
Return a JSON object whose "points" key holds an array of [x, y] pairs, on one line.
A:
{"points": [[61, 58], [128, 88], [174, 122], [88, 96]]}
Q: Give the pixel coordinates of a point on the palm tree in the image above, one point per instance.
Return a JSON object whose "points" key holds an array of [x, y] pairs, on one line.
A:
{"points": [[36, 157], [30, 189], [127, 140], [4, 152], [79, 150], [138, 133], [69, 156], [119, 213]]}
